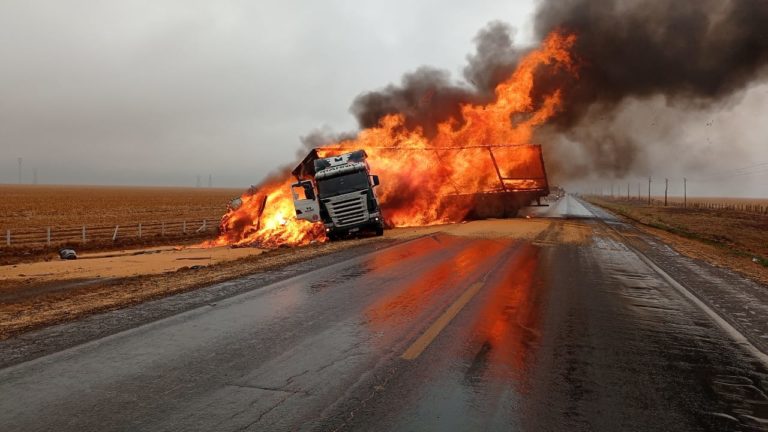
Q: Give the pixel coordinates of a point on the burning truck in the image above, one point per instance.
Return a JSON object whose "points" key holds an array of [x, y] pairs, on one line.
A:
{"points": [[339, 192], [477, 163]]}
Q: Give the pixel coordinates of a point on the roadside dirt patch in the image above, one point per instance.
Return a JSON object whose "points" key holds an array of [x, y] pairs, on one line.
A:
{"points": [[715, 255], [494, 228], [65, 291], [724, 238], [543, 230], [120, 264], [40, 294]]}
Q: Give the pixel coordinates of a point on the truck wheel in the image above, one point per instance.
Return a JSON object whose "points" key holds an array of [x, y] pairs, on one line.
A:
{"points": [[379, 231]]}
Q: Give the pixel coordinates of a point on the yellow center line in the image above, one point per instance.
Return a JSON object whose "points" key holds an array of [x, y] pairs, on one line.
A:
{"points": [[425, 339]]}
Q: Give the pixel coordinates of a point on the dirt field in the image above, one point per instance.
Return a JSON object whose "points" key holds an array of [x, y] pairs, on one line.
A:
{"points": [[35, 221], [27, 206]]}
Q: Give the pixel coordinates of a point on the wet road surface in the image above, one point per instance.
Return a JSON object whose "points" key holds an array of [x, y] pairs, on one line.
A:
{"points": [[439, 333]]}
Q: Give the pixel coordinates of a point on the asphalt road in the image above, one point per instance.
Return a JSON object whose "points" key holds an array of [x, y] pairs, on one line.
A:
{"points": [[440, 333]]}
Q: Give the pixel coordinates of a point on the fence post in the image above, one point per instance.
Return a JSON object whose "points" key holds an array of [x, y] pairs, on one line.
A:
{"points": [[83, 233], [48, 236], [7, 237], [114, 236], [139, 230], [184, 228]]}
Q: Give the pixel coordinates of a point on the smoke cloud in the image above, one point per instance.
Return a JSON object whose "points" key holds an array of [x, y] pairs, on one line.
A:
{"points": [[429, 96], [634, 56], [700, 56]]}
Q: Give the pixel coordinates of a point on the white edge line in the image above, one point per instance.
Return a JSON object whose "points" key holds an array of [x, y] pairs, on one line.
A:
{"points": [[729, 329], [735, 334]]}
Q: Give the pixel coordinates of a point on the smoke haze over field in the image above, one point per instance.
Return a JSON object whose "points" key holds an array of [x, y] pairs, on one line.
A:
{"points": [[161, 92]]}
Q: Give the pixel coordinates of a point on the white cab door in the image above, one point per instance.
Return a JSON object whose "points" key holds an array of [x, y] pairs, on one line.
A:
{"points": [[305, 201]]}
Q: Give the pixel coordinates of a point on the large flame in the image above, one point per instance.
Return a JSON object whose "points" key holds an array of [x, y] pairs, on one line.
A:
{"points": [[417, 171]]}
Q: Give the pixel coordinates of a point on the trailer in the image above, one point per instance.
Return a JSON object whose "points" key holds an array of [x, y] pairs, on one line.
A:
{"points": [[517, 186]]}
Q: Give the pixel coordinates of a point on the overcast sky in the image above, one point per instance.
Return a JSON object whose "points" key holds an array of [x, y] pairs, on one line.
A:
{"points": [[158, 92]]}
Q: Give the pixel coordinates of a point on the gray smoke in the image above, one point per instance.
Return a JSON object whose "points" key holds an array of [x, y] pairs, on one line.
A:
{"points": [[429, 96], [691, 51], [698, 55]]}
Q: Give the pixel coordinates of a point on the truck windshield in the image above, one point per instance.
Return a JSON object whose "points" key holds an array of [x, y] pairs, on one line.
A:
{"points": [[343, 184]]}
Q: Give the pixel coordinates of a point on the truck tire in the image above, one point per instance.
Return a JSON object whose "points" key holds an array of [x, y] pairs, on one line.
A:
{"points": [[379, 231]]}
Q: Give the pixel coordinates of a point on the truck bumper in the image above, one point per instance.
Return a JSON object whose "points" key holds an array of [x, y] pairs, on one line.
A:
{"points": [[375, 223]]}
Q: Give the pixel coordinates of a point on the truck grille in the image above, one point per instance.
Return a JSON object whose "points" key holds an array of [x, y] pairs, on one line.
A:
{"points": [[349, 209]]}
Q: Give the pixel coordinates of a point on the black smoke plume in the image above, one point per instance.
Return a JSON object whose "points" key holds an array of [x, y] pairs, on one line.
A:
{"points": [[690, 51], [696, 54], [429, 96]]}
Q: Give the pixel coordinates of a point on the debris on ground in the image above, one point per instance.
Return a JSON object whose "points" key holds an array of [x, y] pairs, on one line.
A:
{"points": [[67, 254]]}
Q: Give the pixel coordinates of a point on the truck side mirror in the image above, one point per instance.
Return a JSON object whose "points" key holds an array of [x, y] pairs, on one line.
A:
{"points": [[375, 180]]}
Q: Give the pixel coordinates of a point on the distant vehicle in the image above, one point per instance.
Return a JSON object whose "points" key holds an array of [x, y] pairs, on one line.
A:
{"points": [[339, 192]]}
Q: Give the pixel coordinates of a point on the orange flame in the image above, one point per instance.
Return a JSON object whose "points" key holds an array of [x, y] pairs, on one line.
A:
{"points": [[417, 171]]}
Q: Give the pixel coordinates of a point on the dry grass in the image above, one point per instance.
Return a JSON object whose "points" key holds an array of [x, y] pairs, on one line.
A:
{"points": [[736, 233], [719, 200], [28, 206]]}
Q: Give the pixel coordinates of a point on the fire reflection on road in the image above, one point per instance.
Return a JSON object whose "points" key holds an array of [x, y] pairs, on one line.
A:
{"points": [[439, 277], [508, 328]]}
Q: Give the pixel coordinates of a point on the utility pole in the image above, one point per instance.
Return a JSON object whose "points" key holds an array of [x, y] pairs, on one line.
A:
{"points": [[20, 160], [611, 190], [666, 188], [198, 182], [649, 191], [627, 191], [639, 192], [685, 192]]}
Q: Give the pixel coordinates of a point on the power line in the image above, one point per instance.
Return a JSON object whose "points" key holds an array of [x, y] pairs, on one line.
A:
{"points": [[761, 167], [733, 175]]}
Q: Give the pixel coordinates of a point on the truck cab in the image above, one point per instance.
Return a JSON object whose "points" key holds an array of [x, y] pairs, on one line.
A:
{"points": [[338, 191]]}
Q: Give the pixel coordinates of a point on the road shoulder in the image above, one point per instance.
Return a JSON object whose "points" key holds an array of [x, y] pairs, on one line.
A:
{"points": [[741, 301]]}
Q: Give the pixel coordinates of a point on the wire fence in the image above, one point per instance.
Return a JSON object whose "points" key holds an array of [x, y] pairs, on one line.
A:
{"points": [[84, 234], [742, 207], [745, 207]]}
